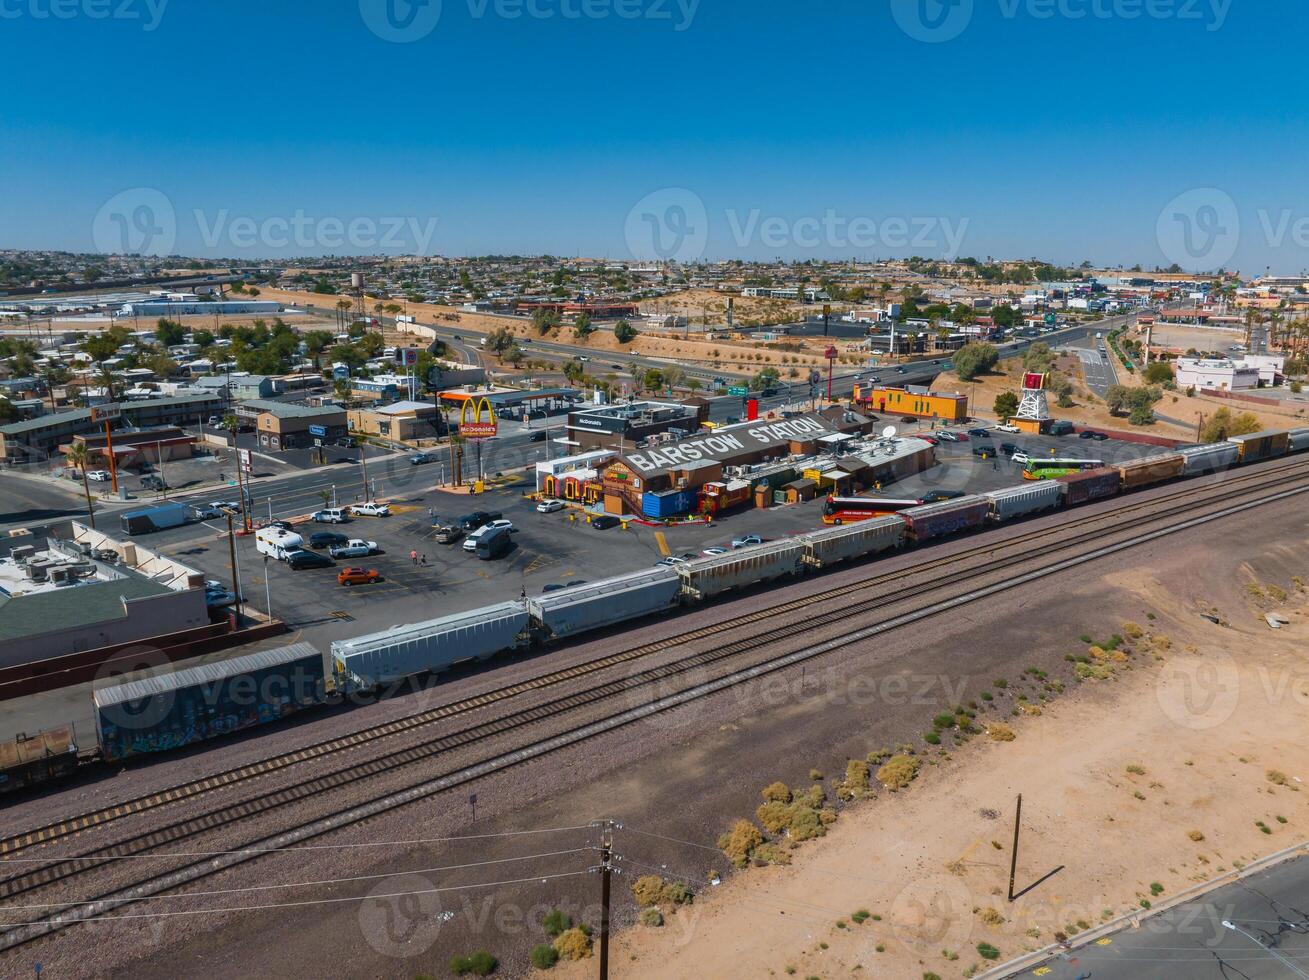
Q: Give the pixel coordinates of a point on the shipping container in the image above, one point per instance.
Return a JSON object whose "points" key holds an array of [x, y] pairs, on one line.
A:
{"points": [[842, 543], [947, 517], [613, 600], [667, 503], [31, 759], [1090, 485], [431, 646], [1212, 458], [1150, 469], [705, 577], [175, 709], [1261, 445], [1027, 498], [158, 518], [1298, 439]]}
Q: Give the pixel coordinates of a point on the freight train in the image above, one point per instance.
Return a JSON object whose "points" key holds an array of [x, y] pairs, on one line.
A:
{"points": [[200, 703]]}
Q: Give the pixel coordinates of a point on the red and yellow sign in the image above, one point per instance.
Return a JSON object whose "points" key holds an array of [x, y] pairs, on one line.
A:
{"points": [[476, 428]]}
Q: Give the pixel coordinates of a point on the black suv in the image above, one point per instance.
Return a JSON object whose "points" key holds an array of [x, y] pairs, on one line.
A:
{"points": [[326, 539], [478, 518], [300, 558]]}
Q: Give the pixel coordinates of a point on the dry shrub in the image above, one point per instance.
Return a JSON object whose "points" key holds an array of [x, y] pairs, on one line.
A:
{"points": [[1196, 835], [776, 792], [774, 816], [1133, 630], [574, 944], [1030, 709], [647, 889], [1276, 776], [1000, 732], [738, 842], [770, 853], [991, 916], [1162, 642], [898, 771], [805, 824]]}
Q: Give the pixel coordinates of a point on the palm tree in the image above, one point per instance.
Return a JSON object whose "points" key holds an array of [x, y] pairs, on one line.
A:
{"points": [[77, 456]]}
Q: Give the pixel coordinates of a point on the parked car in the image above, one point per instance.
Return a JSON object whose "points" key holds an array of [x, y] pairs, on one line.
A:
{"points": [[1007, 428], [300, 558], [1021, 458], [549, 506], [668, 561], [746, 541], [418, 459], [370, 510], [507, 525], [354, 548], [217, 598], [538, 435], [979, 433], [358, 576], [99, 476], [936, 496], [153, 482], [327, 539], [930, 440], [1008, 448], [447, 534], [1088, 434], [715, 550], [478, 518], [329, 515], [604, 522], [909, 420], [947, 436], [985, 452]]}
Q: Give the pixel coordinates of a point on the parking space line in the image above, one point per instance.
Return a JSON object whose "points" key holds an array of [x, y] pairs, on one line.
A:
{"points": [[662, 542]]}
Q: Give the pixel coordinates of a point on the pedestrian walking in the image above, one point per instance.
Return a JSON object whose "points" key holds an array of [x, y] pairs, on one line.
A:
{"points": [[413, 557], [423, 561]]}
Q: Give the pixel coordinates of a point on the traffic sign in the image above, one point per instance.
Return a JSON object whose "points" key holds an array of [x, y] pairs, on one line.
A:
{"points": [[741, 390]]}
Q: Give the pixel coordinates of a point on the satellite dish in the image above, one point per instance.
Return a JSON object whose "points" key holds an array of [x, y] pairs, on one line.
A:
{"points": [[888, 432]]}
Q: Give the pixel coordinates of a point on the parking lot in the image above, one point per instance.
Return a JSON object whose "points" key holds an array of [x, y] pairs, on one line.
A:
{"points": [[548, 549]]}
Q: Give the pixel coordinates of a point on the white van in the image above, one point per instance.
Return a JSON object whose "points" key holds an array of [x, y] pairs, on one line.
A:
{"points": [[470, 542], [276, 542]]}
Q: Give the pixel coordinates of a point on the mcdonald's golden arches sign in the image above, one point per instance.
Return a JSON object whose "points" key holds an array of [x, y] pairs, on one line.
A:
{"points": [[476, 428]]}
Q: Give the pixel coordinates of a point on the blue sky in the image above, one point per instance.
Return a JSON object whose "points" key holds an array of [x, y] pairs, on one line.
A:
{"points": [[1062, 129]]}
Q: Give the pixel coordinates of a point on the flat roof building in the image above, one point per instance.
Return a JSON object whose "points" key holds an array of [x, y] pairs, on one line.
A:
{"points": [[40, 438], [626, 424], [288, 425]]}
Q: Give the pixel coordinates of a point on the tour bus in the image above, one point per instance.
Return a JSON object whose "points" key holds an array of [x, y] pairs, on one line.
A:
{"points": [[847, 510], [1048, 469]]}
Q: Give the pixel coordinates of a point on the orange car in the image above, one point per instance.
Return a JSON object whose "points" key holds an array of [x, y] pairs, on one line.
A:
{"points": [[358, 576]]}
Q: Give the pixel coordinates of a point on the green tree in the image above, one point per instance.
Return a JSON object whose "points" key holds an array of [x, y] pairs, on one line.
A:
{"points": [[764, 379], [1115, 398], [1223, 424], [1038, 357], [582, 327], [1158, 372], [169, 333], [1006, 404], [574, 371], [316, 342], [653, 379], [625, 332], [974, 359], [77, 456], [501, 339], [545, 320]]}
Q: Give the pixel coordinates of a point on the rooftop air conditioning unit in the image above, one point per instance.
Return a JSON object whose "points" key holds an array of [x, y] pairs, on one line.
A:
{"points": [[22, 554], [37, 570], [61, 575]]}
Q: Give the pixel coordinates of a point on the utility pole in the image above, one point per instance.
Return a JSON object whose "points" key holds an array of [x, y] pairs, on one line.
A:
{"points": [[363, 461], [236, 583], [606, 872]]}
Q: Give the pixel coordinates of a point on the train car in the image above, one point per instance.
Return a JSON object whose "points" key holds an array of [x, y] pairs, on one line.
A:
{"points": [[1027, 498], [32, 759], [1267, 444], [1212, 458], [172, 710], [613, 600], [947, 517], [1150, 469], [706, 577], [832, 545], [432, 646], [1090, 485], [1298, 439]]}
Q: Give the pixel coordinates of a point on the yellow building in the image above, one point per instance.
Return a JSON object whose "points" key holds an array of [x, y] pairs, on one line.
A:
{"points": [[913, 401], [401, 422]]}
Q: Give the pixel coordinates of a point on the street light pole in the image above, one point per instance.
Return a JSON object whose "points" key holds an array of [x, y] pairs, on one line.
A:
{"points": [[1268, 949]]}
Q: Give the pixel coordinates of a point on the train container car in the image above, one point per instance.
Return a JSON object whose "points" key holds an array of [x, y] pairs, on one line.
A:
{"points": [[1212, 458], [429, 647], [1025, 499], [843, 543], [706, 577], [947, 517], [1090, 485], [172, 710], [31, 759], [1298, 439], [613, 600], [1150, 470], [1261, 445]]}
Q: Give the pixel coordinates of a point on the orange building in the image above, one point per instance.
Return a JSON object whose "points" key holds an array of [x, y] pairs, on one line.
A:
{"points": [[913, 400]]}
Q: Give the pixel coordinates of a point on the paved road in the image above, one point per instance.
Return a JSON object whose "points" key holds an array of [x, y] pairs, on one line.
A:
{"points": [[1098, 370], [1190, 942]]}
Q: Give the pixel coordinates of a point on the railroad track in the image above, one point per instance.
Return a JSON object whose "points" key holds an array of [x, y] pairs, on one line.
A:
{"points": [[70, 913], [72, 826]]}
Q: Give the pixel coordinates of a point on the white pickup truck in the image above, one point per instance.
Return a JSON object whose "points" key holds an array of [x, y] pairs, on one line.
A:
{"points": [[354, 548]]}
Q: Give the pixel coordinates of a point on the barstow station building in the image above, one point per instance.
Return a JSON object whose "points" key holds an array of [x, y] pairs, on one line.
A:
{"points": [[805, 454]]}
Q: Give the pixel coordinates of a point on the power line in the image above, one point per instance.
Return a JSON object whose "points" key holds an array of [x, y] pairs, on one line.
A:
{"points": [[302, 884], [279, 850], [324, 901]]}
